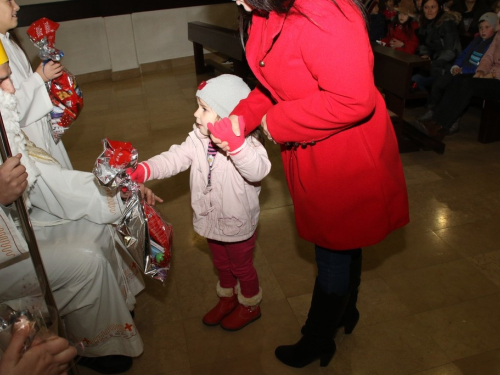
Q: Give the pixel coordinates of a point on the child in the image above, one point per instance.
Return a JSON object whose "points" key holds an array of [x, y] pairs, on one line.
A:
{"points": [[225, 191], [34, 101], [401, 35], [465, 64], [387, 8]]}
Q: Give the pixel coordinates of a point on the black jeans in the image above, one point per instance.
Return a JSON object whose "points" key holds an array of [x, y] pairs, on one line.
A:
{"points": [[458, 95]]}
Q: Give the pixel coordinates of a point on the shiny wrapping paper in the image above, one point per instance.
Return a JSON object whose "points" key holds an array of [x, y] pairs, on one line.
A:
{"points": [[64, 92], [146, 236]]}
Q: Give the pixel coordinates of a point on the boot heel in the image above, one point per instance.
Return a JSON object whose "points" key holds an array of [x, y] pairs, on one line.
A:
{"points": [[351, 324], [324, 360]]}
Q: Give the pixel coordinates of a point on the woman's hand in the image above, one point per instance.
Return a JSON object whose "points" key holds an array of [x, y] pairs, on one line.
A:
{"points": [[149, 196], [265, 130], [425, 57], [479, 74], [49, 70], [224, 146]]}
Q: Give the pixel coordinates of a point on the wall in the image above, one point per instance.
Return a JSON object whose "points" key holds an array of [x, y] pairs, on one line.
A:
{"points": [[123, 43]]}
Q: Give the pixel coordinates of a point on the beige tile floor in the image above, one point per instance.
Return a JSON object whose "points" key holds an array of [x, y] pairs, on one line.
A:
{"points": [[430, 295]]}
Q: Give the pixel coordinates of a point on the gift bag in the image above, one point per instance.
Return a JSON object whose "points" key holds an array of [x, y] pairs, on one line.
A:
{"points": [[145, 235], [64, 92]]}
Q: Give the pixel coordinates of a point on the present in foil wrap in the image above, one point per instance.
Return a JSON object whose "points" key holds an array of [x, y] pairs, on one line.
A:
{"points": [[66, 97], [39, 324], [145, 235]]}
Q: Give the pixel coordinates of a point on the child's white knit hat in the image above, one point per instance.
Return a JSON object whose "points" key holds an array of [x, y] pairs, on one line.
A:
{"points": [[489, 17], [223, 93]]}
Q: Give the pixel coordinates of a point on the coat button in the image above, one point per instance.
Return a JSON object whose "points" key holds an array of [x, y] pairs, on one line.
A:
{"points": [[303, 145], [296, 144], [262, 64], [313, 143]]}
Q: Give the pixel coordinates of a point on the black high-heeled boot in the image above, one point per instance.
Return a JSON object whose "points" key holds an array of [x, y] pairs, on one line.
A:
{"points": [[317, 342], [351, 314]]}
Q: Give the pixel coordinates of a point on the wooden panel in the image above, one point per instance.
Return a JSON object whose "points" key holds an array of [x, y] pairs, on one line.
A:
{"points": [[220, 39]]}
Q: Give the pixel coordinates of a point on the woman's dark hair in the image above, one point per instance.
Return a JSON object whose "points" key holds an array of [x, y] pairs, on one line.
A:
{"points": [[258, 135], [406, 26], [280, 7], [424, 21]]}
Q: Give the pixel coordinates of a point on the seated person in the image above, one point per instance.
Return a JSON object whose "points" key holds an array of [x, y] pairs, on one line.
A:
{"points": [[376, 21], [465, 64], [439, 41], [93, 285], [484, 84], [471, 11], [402, 30]]}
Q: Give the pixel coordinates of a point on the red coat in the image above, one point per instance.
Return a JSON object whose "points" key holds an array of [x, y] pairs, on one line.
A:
{"points": [[347, 183], [396, 32]]}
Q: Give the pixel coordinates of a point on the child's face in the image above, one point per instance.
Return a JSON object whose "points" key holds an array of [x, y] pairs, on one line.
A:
{"points": [[204, 114], [486, 30], [402, 18], [8, 15], [389, 3]]}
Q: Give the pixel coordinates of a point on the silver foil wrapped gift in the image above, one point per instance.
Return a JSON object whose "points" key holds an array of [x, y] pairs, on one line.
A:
{"points": [[135, 225]]}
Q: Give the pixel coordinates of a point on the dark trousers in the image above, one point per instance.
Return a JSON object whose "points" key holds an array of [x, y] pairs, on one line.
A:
{"points": [[334, 269], [459, 94]]}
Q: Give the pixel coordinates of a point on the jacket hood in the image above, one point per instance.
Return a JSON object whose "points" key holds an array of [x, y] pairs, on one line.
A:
{"points": [[449, 16]]}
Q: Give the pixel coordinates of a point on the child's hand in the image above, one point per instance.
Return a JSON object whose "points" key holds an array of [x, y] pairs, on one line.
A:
{"points": [[223, 130], [456, 70], [149, 196], [49, 70], [141, 173]]}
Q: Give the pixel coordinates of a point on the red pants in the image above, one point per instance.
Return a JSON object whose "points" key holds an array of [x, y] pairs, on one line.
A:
{"points": [[234, 261]]}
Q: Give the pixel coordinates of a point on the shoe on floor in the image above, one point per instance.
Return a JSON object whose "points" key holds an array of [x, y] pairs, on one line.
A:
{"points": [[109, 364], [240, 317], [426, 116]]}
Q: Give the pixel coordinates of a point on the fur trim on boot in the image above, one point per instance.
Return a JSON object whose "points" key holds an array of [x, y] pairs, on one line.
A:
{"points": [[247, 311], [226, 292], [227, 303], [251, 301]]}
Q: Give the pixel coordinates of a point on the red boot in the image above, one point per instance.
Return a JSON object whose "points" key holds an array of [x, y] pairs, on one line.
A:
{"points": [[227, 303], [248, 311]]}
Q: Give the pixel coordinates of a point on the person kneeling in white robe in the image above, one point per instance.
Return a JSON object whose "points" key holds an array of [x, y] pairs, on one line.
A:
{"points": [[93, 280]]}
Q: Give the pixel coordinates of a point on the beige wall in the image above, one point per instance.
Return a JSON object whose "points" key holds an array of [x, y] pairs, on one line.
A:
{"points": [[124, 42]]}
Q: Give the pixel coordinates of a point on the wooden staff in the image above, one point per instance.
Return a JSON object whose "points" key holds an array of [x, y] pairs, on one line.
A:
{"points": [[34, 251]]}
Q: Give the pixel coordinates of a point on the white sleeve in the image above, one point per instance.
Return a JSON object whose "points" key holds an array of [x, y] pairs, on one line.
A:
{"points": [[34, 100], [252, 161], [73, 195]]}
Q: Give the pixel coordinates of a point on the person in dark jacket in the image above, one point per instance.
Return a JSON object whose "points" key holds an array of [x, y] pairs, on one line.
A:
{"points": [[465, 64], [439, 41]]}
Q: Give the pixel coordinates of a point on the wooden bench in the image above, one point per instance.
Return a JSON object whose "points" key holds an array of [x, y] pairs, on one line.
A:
{"points": [[222, 40], [489, 128], [392, 72]]}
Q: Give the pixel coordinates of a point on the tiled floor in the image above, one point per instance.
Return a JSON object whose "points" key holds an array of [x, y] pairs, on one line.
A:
{"points": [[430, 295]]}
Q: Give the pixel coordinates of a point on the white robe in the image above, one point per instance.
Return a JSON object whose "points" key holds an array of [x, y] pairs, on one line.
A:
{"points": [[93, 286], [34, 102]]}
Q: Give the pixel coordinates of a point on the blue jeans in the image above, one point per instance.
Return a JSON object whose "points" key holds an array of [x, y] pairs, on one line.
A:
{"points": [[423, 82], [334, 269]]}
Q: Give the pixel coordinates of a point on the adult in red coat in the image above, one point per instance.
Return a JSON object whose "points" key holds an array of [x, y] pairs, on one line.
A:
{"points": [[317, 99]]}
